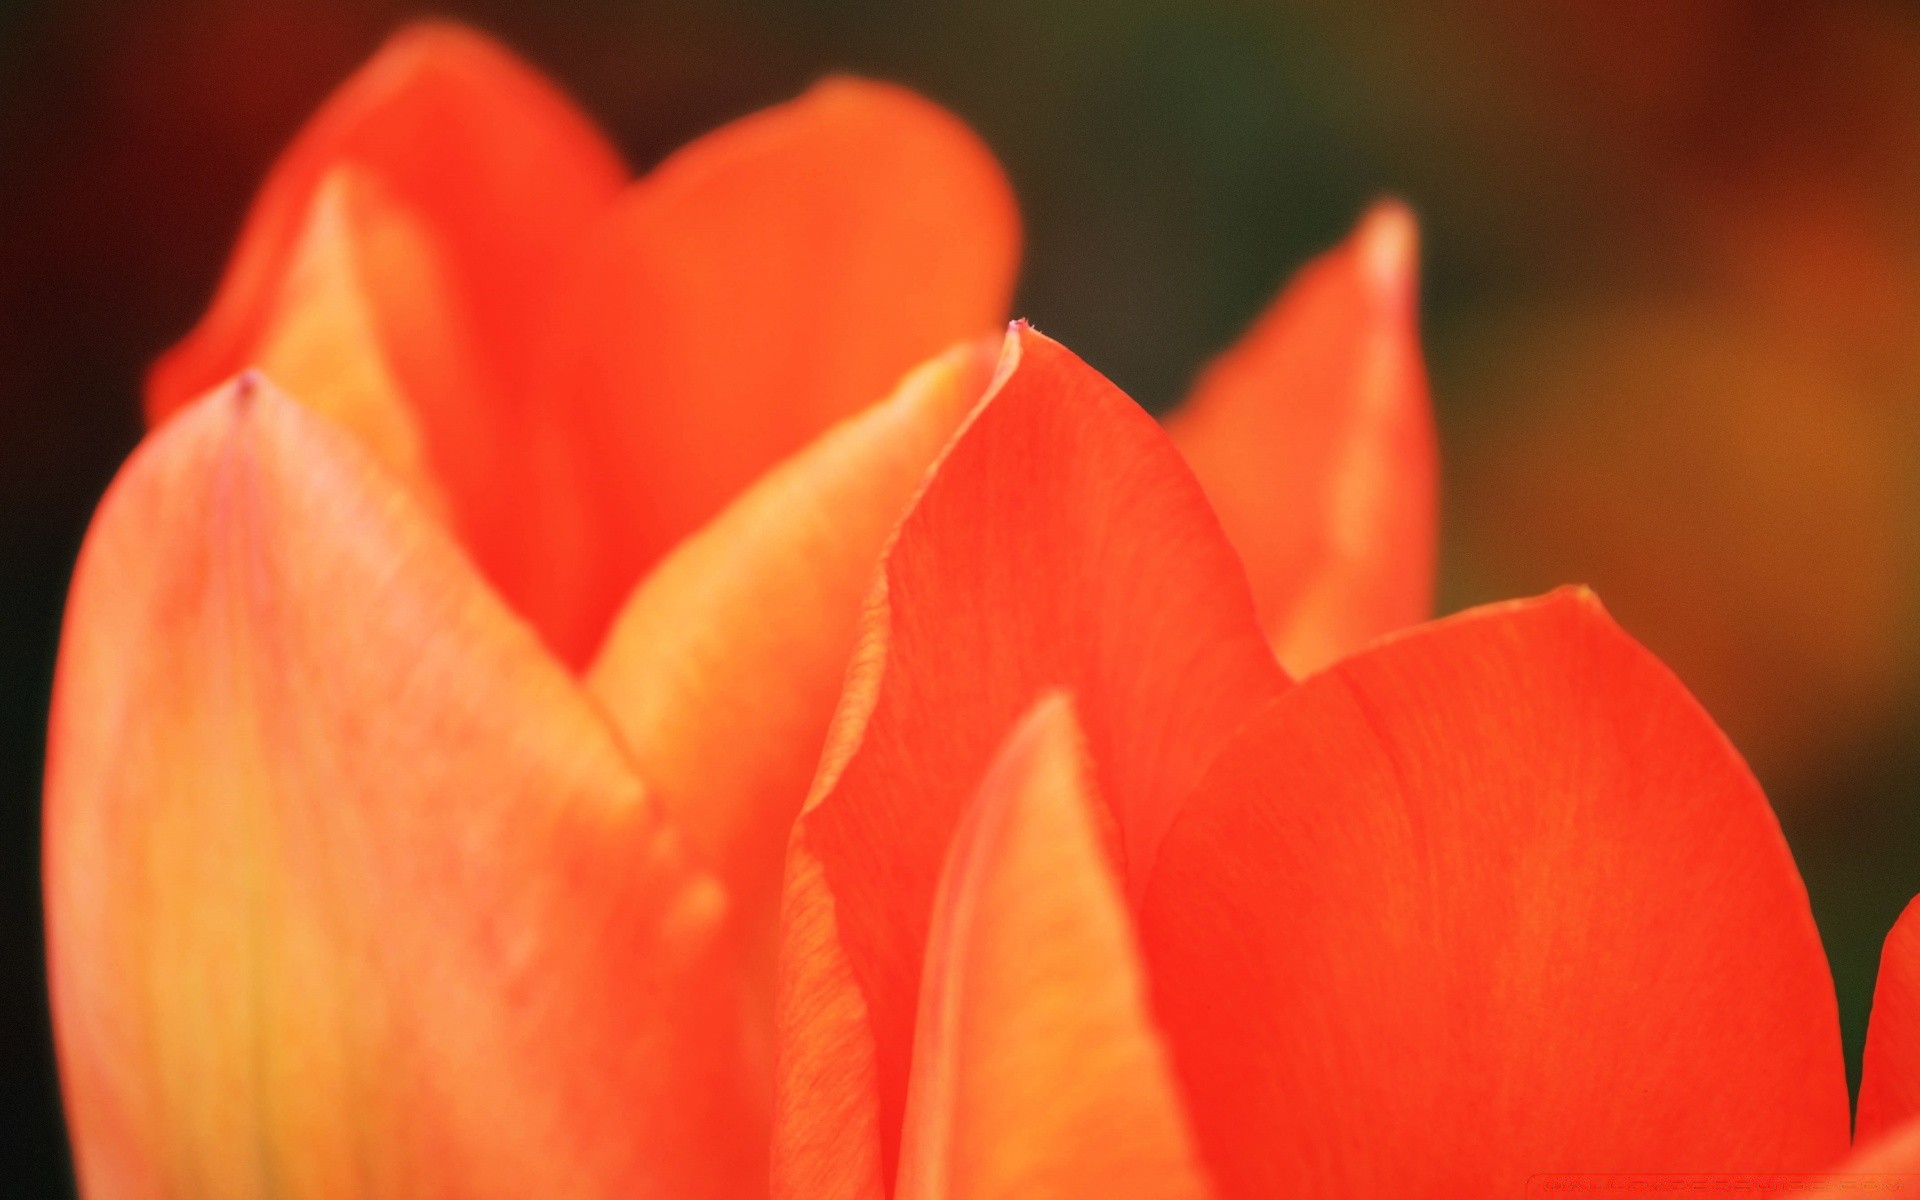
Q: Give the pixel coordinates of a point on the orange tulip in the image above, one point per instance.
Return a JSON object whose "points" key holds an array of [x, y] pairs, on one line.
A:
{"points": [[443, 676], [1089, 900], [428, 736]]}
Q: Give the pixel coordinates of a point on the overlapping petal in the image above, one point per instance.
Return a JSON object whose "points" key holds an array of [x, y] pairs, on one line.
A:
{"points": [[392, 914], [1493, 899], [366, 327], [457, 130], [350, 890], [1059, 542], [581, 375], [1890, 1072], [396, 271], [1894, 1151], [761, 284], [722, 669], [1314, 440], [1036, 1067]]}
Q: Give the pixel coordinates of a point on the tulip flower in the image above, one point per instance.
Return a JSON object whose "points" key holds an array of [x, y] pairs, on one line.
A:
{"points": [[1089, 899], [443, 675], [527, 608]]}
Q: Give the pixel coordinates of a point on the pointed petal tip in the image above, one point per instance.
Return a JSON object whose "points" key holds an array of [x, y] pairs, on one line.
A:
{"points": [[232, 406], [1313, 437], [1890, 1068], [437, 47], [1036, 1062], [1020, 568], [1050, 717], [427, 40], [1388, 241], [1575, 602], [846, 86], [1048, 733], [1573, 597], [251, 577], [1582, 595], [247, 384], [1583, 605], [1007, 356]]}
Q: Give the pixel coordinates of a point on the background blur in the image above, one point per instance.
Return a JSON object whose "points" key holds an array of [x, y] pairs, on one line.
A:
{"points": [[1672, 305]]}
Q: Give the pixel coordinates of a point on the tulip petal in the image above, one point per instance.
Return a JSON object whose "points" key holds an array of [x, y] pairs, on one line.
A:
{"points": [[1036, 1068], [350, 890], [1893, 1151], [1492, 899], [391, 272], [1890, 1072], [722, 670], [1314, 441], [764, 282], [362, 326], [1059, 543], [487, 153]]}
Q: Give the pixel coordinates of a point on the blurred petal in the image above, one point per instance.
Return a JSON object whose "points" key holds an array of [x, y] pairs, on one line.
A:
{"points": [[363, 327], [1314, 441], [722, 670], [350, 891], [1890, 1073], [1060, 542], [766, 281], [491, 157], [1036, 1068], [1494, 898], [391, 274]]}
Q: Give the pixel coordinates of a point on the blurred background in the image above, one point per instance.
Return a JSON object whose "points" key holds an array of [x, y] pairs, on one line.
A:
{"points": [[1672, 305]]}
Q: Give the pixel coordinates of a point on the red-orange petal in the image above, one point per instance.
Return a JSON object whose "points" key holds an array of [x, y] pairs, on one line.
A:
{"points": [[1894, 1151], [722, 669], [1059, 542], [498, 164], [1890, 1073], [350, 890], [1493, 899], [1036, 1068], [1314, 440], [769, 279], [363, 327]]}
